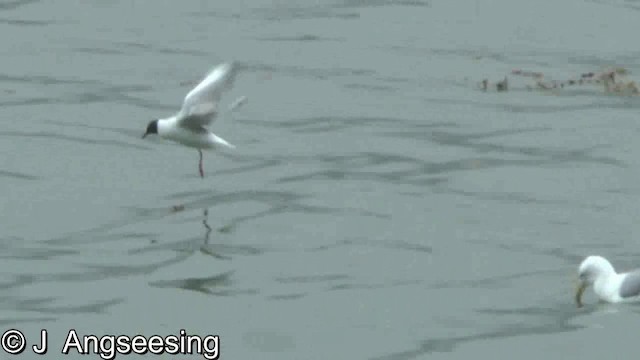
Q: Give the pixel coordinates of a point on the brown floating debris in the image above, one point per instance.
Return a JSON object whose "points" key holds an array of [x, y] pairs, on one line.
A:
{"points": [[527, 73], [612, 80], [499, 86], [503, 85], [177, 208]]}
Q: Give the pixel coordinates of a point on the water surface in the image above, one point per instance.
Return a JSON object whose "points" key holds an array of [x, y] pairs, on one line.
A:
{"points": [[378, 206]]}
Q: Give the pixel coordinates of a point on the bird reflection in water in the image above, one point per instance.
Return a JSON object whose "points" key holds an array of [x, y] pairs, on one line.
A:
{"points": [[206, 248]]}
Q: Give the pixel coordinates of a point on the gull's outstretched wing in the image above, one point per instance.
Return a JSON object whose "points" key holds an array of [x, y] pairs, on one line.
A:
{"points": [[630, 286], [200, 106]]}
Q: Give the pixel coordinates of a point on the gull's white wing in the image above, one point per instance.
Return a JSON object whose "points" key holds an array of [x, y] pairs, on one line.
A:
{"points": [[200, 106]]}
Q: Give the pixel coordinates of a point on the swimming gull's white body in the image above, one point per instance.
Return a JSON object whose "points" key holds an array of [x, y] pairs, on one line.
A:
{"points": [[608, 285]]}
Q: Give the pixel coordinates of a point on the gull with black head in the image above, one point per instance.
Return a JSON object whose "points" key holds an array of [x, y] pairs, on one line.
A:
{"points": [[199, 109]]}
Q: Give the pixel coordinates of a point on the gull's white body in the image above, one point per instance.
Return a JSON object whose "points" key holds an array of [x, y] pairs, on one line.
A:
{"points": [[199, 139], [608, 285]]}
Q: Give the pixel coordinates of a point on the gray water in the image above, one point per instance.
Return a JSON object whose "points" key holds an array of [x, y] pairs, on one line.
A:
{"points": [[378, 204]]}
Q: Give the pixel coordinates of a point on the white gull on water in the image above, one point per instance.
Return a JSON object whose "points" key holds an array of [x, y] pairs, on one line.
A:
{"points": [[199, 109], [608, 285]]}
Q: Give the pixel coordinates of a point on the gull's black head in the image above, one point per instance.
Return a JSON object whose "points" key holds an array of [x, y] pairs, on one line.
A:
{"points": [[152, 128]]}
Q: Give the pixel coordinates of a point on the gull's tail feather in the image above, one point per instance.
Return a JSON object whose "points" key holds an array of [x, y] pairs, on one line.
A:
{"points": [[222, 142]]}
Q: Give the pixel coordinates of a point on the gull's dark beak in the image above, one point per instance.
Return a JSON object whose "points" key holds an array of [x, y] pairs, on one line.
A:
{"points": [[152, 128], [582, 286]]}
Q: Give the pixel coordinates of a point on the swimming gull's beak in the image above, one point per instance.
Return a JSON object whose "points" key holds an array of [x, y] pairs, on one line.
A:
{"points": [[582, 286]]}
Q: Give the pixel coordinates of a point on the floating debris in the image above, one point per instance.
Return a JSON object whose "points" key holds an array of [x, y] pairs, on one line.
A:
{"points": [[177, 208], [500, 85], [527, 73], [503, 85], [612, 81]]}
